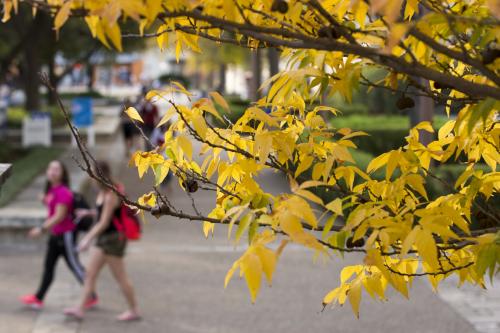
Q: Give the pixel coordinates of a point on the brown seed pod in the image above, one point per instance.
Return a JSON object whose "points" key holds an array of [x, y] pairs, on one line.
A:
{"points": [[350, 243], [438, 85], [405, 103], [490, 55], [280, 6], [328, 32], [160, 210], [190, 185]]}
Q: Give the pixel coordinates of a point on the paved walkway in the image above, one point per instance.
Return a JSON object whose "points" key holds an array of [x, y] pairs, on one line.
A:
{"points": [[481, 307], [179, 278]]}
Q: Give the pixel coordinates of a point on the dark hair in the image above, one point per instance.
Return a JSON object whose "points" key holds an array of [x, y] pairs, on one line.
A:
{"points": [[64, 178], [102, 169]]}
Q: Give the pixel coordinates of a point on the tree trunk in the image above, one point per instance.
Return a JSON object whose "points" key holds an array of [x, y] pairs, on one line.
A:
{"points": [[255, 82], [210, 80], [221, 88], [51, 95], [31, 78], [91, 76], [273, 56], [33, 53]]}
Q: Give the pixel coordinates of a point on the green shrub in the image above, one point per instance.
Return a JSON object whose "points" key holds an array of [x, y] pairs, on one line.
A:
{"points": [[24, 169], [71, 95], [237, 107], [386, 132], [15, 116], [167, 78]]}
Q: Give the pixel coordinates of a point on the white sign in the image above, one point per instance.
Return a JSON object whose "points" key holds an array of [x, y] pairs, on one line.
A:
{"points": [[37, 131]]}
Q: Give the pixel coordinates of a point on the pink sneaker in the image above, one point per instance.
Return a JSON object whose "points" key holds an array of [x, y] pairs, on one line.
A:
{"points": [[91, 303], [73, 313], [32, 301], [129, 316]]}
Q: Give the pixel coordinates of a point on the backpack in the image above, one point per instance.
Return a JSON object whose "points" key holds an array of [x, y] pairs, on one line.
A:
{"points": [[127, 222], [85, 223]]}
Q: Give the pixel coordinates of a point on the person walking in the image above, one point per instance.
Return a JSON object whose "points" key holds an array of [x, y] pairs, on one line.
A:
{"points": [[150, 115], [130, 131], [109, 249], [59, 200]]}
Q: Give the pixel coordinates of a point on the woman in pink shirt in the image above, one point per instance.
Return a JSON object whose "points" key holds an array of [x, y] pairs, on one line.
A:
{"points": [[59, 224]]}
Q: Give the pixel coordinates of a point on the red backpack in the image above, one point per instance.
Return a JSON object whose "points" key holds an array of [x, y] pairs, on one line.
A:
{"points": [[127, 223]]}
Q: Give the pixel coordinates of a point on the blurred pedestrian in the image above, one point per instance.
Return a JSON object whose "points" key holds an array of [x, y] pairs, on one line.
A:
{"points": [[150, 115], [59, 224], [109, 249], [130, 131]]}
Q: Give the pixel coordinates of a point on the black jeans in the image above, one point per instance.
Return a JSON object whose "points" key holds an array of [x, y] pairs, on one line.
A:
{"points": [[64, 245]]}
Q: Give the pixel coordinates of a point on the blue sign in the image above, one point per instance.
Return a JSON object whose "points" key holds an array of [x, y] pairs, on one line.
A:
{"points": [[81, 111]]}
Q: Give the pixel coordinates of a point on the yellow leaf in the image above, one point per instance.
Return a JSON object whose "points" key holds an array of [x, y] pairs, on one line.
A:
{"points": [[374, 285], [409, 241], [309, 195], [231, 271], [148, 199], [378, 162], [7, 8], [268, 260], [397, 32], [252, 271], [331, 296], [153, 7], [181, 88], [348, 271], [200, 126], [161, 171], [426, 247], [426, 126], [392, 163], [185, 145], [210, 109], [263, 146], [207, 228], [133, 114], [336, 206], [162, 39], [417, 183], [114, 34], [169, 114], [311, 183], [304, 164], [258, 114], [142, 25], [220, 100], [178, 50], [300, 208], [62, 15], [354, 296], [446, 129]]}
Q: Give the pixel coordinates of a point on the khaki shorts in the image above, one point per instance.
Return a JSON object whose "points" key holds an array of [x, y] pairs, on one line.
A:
{"points": [[112, 244]]}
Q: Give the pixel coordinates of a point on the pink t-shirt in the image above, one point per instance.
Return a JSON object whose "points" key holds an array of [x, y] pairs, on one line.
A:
{"points": [[60, 195]]}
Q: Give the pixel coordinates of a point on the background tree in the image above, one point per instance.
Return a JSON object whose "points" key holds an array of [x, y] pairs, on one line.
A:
{"points": [[214, 60], [401, 230], [29, 42]]}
